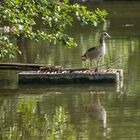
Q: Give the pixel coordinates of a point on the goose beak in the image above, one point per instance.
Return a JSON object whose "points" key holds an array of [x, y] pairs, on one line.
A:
{"points": [[108, 36]]}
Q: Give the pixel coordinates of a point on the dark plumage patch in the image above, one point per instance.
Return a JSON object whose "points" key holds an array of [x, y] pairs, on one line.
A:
{"points": [[90, 49]]}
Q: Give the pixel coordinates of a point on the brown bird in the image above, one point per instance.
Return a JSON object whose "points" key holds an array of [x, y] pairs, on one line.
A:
{"points": [[96, 53]]}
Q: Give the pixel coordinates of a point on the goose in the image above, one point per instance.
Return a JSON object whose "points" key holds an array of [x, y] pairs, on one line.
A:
{"points": [[96, 53]]}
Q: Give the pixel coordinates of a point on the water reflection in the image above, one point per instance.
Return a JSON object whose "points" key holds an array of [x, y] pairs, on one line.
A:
{"points": [[97, 111], [26, 120], [39, 113]]}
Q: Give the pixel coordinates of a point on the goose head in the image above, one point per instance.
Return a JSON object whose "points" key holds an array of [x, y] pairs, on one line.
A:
{"points": [[103, 36]]}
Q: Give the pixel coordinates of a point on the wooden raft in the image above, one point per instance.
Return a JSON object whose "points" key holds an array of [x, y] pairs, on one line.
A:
{"points": [[70, 76]]}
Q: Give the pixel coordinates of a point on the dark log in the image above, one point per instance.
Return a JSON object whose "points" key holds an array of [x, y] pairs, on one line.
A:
{"points": [[36, 67], [22, 66]]}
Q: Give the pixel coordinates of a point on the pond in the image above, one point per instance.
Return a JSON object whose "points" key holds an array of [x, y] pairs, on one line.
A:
{"points": [[78, 112]]}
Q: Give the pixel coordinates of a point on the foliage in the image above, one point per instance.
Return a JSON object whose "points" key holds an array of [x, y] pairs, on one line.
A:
{"points": [[46, 20]]}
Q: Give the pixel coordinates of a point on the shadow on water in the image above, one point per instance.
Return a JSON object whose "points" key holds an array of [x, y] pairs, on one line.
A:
{"points": [[35, 89]]}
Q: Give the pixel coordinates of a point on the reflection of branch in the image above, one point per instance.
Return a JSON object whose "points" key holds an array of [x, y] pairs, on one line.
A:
{"points": [[113, 61]]}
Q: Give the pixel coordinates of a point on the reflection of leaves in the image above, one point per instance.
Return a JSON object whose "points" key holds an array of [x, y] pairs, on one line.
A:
{"points": [[30, 123], [60, 125]]}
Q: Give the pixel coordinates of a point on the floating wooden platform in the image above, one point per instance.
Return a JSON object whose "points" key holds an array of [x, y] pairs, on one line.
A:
{"points": [[70, 76]]}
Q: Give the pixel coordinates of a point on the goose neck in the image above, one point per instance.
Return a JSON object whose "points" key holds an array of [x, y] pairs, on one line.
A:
{"points": [[102, 41]]}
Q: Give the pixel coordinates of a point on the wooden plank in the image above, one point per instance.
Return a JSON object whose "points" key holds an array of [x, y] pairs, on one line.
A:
{"points": [[66, 77]]}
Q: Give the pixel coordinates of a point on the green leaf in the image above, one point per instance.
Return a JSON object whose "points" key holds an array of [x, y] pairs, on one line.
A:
{"points": [[51, 17]]}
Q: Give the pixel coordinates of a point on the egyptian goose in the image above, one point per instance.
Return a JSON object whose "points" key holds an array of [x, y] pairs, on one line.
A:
{"points": [[96, 53]]}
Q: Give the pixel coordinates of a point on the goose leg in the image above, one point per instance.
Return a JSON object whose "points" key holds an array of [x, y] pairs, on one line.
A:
{"points": [[90, 64], [91, 70], [97, 68]]}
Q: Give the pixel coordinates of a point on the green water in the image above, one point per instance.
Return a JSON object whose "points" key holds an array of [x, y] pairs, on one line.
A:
{"points": [[78, 112]]}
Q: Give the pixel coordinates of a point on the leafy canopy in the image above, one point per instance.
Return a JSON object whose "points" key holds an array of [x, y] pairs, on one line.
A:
{"points": [[19, 19]]}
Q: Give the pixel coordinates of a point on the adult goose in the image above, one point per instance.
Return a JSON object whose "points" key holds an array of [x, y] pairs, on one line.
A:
{"points": [[96, 53]]}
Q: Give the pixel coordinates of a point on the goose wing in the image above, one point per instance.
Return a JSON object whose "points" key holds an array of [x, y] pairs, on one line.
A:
{"points": [[91, 49]]}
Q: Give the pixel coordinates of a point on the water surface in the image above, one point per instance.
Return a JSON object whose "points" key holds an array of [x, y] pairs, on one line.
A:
{"points": [[83, 112]]}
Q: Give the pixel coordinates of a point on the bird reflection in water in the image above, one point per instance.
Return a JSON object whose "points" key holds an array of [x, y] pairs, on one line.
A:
{"points": [[97, 111]]}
